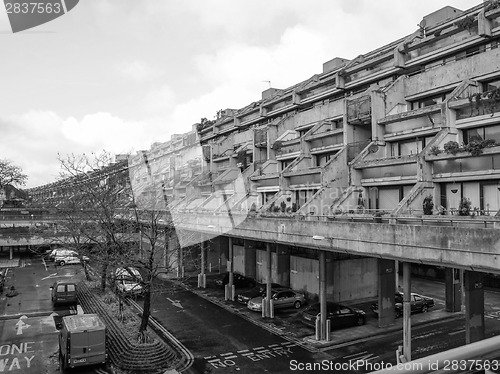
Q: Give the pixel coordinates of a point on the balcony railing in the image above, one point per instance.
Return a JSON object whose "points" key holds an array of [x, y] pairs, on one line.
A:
{"points": [[359, 111], [290, 146]]}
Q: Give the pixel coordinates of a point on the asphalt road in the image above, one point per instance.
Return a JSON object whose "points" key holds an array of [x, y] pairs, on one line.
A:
{"points": [[220, 341], [223, 342], [28, 333]]}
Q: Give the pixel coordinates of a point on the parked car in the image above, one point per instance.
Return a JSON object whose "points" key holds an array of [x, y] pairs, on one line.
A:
{"points": [[419, 303], [69, 257], [64, 292], [282, 298], [259, 290], [82, 341], [339, 315], [127, 281], [58, 252], [239, 281]]}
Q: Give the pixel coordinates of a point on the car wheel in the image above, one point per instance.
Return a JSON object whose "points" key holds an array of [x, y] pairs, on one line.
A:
{"points": [[425, 309], [397, 313], [62, 263], [297, 304], [360, 321]]}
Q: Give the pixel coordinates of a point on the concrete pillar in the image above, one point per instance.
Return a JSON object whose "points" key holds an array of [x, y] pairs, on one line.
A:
{"points": [[283, 265], [11, 252], [474, 307], [250, 258], [386, 290], [453, 290], [230, 263], [268, 280], [322, 293], [407, 311], [222, 243], [202, 278], [203, 257]]}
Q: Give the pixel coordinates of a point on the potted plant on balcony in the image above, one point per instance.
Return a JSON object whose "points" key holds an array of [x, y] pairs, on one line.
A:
{"points": [[428, 205], [464, 207], [377, 217]]}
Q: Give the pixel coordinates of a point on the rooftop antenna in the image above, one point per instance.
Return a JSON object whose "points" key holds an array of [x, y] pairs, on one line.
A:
{"points": [[269, 82]]}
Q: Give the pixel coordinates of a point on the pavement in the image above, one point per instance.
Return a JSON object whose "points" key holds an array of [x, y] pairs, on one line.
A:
{"points": [[287, 324]]}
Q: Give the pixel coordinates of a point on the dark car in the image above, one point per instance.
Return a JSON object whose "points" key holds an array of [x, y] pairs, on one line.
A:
{"points": [[339, 315], [419, 303], [64, 292], [258, 290], [239, 281]]}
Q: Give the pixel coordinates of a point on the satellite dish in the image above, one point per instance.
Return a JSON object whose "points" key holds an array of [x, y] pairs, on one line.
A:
{"points": [[373, 148], [422, 24]]}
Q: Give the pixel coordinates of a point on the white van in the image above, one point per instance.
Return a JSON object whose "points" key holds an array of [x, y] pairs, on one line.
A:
{"points": [[128, 281]]}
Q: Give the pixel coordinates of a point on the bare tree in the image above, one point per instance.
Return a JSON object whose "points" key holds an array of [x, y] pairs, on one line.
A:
{"points": [[93, 193], [11, 174]]}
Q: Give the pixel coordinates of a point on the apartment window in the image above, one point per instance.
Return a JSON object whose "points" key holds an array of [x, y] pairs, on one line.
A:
{"points": [[409, 147], [428, 101], [323, 158], [285, 163], [482, 133], [491, 85]]}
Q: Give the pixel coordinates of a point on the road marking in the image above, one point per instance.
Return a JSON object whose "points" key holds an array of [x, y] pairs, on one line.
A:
{"points": [[175, 303], [21, 325], [54, 275], [224, 360]]}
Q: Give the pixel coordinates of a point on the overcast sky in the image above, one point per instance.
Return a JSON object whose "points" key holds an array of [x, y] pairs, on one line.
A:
{"points": [[120, 75]]}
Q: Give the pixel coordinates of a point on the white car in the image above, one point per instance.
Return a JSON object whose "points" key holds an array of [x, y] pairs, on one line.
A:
{"points": [[69, 257], [127, 281]]}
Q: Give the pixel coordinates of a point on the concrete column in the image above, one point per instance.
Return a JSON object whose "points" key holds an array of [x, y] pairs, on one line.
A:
{"points": [[322, 293], [250, 258], [407, 311], [474, 307], [453, 290], [175, 247], [202, 278], [283, 264], [386, 290], [11, 252], [223, 246], [203, 257], [268, 279], [230, 263]]}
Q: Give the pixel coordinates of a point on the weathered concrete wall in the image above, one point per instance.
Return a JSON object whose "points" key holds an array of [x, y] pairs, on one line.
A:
{"points": [[354, 279], [482, 63], [239, 259], [460, 247], [261, 274], [304, 274]]}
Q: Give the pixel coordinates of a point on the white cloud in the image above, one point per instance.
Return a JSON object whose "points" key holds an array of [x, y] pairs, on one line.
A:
{"points": [[159, 100], [34, 140], [139, 71]]}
